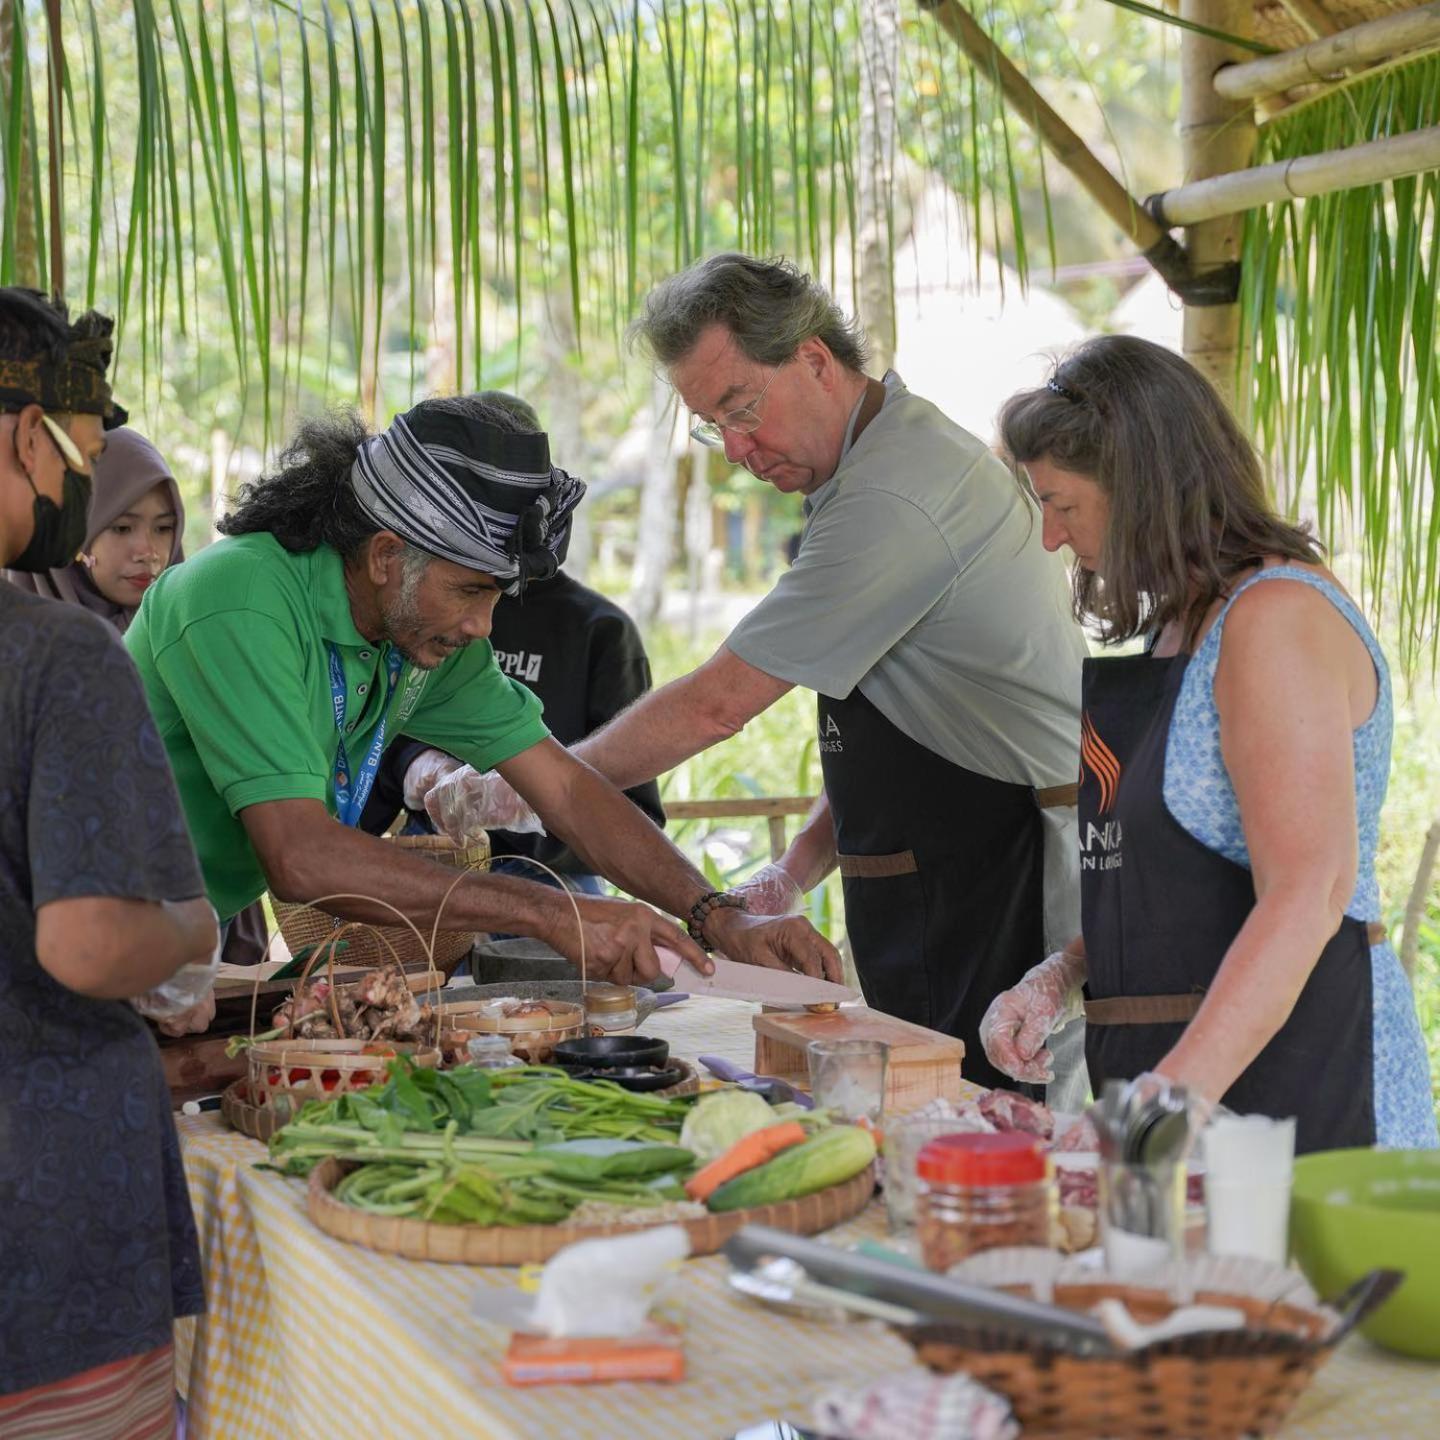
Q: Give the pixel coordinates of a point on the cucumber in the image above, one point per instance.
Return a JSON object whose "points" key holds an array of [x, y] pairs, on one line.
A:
{"points": [[836, 1154]]}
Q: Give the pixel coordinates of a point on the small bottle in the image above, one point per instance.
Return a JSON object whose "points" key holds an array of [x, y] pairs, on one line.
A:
{"points": [[610, 1009], [491, 1052], [979, 1192]]}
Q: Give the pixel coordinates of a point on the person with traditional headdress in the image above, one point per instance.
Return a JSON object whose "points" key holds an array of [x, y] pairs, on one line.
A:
{"points": [[135, 529], [351, 601], [101, 901]]}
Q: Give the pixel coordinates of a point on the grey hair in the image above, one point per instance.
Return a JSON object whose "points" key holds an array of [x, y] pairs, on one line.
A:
{"points": [[771, 307]]}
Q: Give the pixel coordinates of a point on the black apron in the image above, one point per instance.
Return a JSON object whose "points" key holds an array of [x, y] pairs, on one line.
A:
{"points": [[943, 872], [1159, 910]]}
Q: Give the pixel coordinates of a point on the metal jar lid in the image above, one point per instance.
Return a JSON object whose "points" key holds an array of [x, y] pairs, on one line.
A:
{"points": [[609, 999]]}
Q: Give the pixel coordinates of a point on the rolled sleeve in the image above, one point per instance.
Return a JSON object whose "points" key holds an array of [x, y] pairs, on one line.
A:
{"points": [[871, 566]]}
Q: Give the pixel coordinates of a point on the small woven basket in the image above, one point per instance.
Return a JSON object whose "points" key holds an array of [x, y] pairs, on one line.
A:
{"points": [[303, 925], [286, 1074], [529, 1041], [1221, 1385]]}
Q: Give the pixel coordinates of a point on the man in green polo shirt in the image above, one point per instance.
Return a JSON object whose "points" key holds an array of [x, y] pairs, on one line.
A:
{"points": [[351, 601]]}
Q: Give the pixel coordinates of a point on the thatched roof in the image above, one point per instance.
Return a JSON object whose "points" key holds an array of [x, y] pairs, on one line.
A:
{"points": [[1276, 25]]}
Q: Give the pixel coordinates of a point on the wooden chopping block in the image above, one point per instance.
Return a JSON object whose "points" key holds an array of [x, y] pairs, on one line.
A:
{"points": [[922, 1064]]}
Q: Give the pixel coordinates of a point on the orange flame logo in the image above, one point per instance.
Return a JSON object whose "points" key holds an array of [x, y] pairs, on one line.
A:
{"points": [[1097, 757]]}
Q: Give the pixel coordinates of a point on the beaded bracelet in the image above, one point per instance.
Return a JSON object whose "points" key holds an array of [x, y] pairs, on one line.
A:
{"points": [[701, 911]]}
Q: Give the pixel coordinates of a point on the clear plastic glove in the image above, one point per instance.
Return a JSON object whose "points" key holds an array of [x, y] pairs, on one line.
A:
{"points": [[771, 891], [425, 772], [194, 1021], [183, 996], [465, 804], [1015, 1028]]}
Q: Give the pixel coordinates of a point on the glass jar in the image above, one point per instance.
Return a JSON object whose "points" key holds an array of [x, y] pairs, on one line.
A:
{"points": [[610, 1009], [491, 1052], [979, 1192]]}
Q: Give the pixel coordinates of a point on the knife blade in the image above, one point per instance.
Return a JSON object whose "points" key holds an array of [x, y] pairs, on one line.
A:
{"points": [[737, 1074], [756, 983]]}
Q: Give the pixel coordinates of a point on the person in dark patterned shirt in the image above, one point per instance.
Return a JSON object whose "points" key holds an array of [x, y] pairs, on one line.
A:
{"points": [[101, 900]]}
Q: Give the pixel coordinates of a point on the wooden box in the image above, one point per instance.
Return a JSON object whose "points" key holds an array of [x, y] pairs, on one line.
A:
{"points": [[922, 1064]]}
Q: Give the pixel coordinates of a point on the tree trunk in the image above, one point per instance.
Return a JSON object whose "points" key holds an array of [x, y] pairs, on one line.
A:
{"points": [[875, 242], [1418, 902], [697, 535], [27, 244], [561, 407], [655, 541], [1218, 137]]}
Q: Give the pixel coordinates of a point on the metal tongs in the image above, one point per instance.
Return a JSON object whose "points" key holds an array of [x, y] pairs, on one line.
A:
{"points": [[1142, 1136], [832, 1274]]}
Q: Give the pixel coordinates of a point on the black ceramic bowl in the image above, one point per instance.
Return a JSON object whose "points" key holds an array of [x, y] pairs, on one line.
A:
{"points": [[605, 1052]]}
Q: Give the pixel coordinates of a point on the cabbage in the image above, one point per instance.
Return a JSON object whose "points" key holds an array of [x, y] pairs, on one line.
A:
{"points": [[719, 1120]]}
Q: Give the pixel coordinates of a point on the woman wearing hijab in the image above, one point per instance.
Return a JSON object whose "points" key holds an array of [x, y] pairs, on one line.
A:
{"points": [[133, 532]]}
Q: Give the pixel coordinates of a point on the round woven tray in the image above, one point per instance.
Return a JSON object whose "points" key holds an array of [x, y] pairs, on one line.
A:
{"points": [[1222, 1385], [530, 1244], [303, 925]]}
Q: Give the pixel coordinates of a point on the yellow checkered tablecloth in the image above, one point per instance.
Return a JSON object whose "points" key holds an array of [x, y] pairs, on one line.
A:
{"points": [[308, 1337]]}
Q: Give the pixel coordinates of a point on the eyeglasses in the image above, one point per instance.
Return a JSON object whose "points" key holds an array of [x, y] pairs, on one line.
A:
{"points": [[743, 421]]}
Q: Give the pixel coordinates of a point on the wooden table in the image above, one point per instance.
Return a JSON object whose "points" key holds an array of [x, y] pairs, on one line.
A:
{"points": [[309, 1337]]}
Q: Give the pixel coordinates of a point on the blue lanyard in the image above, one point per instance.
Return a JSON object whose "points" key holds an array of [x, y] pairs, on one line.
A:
{"points": [[353, 790]]}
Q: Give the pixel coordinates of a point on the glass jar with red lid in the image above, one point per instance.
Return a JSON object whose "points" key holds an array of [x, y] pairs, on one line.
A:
{"points": [[979, 1192]]}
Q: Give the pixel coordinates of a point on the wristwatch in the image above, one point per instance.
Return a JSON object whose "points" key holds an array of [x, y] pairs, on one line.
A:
{"points": [[701, 911]]}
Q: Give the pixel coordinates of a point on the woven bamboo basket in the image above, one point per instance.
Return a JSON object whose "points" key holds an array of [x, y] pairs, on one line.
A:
{"points": [[248, 1119], [531, 1244], [1222, 1385], [303, 925], [286, 1074], [532, 1043]]}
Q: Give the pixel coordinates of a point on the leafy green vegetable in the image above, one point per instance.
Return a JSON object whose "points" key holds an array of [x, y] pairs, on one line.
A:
{"points": [[608, 1159]]}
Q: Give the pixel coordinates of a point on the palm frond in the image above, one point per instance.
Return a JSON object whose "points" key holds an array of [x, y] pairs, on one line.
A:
{"points": [[1340, 316]]}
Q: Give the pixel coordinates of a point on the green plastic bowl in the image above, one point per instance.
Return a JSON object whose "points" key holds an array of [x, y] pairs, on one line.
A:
{"points": [[1354, 1211]]}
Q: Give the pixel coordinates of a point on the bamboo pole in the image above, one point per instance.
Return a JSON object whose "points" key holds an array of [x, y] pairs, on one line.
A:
{"points": [[1067, 147], [1310, 17], [1369, 164], [1217, 137], [56, 138], [1321, 59]]}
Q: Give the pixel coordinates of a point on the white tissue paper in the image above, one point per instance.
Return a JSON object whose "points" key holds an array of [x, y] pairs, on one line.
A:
{"points": [[606, 1287]]}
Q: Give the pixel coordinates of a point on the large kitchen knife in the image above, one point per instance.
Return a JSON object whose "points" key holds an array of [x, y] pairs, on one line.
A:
{"points": [[734, 981]]}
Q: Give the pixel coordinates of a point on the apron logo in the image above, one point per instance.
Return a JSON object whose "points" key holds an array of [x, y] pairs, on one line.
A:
{"points": [[830, 743], [1098, 758]]}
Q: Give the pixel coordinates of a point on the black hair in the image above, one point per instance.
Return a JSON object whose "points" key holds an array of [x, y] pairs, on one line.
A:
{"points": [[308, 501]]}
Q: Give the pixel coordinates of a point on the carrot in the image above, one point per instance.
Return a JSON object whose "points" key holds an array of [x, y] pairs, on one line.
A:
{"points": [[745, 1154]]}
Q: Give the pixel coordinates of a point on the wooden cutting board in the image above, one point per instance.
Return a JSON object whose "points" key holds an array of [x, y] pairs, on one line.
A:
{"points": [[922, 1063]]}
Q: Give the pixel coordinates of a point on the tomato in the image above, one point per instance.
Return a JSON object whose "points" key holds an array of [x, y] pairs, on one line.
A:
{"points": [[329, 1078]]}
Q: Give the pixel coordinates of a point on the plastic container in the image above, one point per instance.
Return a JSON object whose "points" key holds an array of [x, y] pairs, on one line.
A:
{"points": [[610, 1009], [980, 1192], [491, 1052]]}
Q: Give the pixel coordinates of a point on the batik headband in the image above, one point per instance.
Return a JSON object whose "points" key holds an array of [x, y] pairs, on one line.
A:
{"points": [[470, 492]]}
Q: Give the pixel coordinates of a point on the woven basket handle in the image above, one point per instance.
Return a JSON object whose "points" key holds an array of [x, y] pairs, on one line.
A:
{"points": [[1363, 1298], [564, 890]]}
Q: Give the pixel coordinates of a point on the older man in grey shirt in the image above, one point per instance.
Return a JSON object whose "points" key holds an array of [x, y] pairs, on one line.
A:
{"points": [[930, 622]]}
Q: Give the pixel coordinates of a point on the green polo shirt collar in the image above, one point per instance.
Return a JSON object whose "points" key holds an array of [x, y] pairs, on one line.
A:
{"points": [[332, 602]]}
